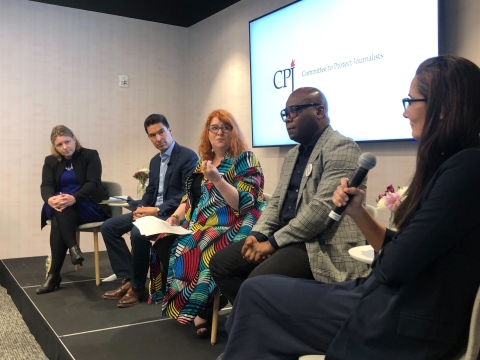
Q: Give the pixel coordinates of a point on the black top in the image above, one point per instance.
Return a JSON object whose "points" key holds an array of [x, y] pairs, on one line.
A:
{"points": [[290, 204], [425, 279], [88, 170]]}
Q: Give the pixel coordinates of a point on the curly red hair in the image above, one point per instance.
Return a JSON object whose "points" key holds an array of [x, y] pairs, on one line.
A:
{"points": [[237, 140]]}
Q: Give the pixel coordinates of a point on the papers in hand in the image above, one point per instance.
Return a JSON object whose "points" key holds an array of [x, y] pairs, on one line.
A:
{"points": [[151, 225]]}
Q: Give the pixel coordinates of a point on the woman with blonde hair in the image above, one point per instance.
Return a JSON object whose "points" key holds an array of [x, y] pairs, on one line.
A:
{"points": [[224, 200], [71, 189]]}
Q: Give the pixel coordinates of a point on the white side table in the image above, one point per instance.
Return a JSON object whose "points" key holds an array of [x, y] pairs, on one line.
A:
{"points": [[363, 253]]}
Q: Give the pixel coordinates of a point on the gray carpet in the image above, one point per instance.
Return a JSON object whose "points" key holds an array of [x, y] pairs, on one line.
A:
{"points": [[16, 341]]}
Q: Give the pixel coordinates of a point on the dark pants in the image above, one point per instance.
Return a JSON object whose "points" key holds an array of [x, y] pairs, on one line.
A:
{"points": [[276, 317], [126, 265], [162, 249], [62, 235], [229, 269]]}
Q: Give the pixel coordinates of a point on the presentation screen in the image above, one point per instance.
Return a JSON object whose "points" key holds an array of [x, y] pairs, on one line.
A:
{"points": [[362, 54]]}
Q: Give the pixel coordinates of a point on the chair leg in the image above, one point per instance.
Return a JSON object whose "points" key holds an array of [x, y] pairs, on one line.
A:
{"points": [[95, 255], [216, 306], [78, 243]]}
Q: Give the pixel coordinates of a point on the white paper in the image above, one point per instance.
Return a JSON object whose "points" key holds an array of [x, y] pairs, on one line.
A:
{"points": [[151, 225], [120, 198]]}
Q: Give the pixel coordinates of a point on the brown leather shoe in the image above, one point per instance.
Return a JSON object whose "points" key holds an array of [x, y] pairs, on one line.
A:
{"points": [[119, 292], [131, 298]]}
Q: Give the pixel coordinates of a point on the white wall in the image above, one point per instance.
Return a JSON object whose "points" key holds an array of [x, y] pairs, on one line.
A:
{"points": [[219, 74], [60, 66]]}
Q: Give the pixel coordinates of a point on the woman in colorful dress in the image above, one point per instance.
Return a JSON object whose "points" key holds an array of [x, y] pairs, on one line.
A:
{"points": [[224, 200], [71, 188]]}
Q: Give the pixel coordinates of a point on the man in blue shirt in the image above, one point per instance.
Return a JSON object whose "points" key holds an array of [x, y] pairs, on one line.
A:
{"points": [[168, 172]]}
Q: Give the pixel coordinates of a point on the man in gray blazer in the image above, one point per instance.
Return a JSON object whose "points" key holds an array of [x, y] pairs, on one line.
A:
{"points": [[290, 237]]}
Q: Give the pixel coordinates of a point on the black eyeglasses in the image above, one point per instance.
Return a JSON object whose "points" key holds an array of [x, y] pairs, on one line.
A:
{"points": [[293, 111], [407, 101], [214, 129]]}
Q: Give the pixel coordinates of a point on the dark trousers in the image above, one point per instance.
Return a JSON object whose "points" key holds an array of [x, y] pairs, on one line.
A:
{"points": [[126, 265], [162, 248], [276, 317], [229, 269], [62, 236]]}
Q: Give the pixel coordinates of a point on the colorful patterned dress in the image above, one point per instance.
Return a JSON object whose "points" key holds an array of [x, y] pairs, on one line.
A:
{"points": [[215, 225]]}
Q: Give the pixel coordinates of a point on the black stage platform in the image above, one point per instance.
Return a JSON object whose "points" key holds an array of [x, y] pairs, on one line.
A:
{"points": [[74, 322]]}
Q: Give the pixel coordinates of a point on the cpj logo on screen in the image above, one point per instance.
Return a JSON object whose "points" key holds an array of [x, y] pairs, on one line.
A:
{"points": [[282, 77]]}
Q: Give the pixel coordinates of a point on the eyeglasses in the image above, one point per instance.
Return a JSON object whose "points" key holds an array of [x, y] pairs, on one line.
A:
{"points": [[214, 129], [293, 111], [407, 101]]}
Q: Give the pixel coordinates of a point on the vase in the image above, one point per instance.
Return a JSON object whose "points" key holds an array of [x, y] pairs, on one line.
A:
{"points": [[141, 188], [391, 224]]}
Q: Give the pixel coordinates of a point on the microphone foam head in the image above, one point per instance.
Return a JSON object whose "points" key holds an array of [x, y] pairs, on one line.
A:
{"points": [[367, 161]]}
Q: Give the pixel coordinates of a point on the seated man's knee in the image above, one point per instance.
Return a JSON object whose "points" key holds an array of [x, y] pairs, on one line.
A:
{"points": [[107, 226], [135, 236], [262, 269], [219, 263], [215, 263], [117, 224]]}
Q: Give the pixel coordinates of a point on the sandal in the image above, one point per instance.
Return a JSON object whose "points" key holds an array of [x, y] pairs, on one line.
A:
{"points": [[203, 330]]}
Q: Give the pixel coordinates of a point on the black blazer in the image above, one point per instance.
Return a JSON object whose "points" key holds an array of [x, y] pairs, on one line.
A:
{"points": [[182, 163], [426, 278], [88, 170]]}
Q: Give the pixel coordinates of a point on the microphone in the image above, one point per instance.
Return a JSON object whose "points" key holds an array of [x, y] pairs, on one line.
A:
{"points": [[366, 162], [169, 163]]}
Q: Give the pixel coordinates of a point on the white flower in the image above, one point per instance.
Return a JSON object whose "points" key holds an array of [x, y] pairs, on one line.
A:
{"points": [[401, 191], [381, 204]]}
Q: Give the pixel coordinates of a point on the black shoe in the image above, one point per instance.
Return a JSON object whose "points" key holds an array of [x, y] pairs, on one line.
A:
{"points": [[53, 281], [204, 330], [76, 255]]}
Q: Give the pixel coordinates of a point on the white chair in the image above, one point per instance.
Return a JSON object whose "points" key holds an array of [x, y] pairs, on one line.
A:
{"points": [[267, 197], [216, 301], [113, 190], [470, 352]]}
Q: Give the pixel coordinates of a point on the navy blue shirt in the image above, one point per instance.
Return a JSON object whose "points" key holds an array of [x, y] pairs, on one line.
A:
{"points": [[289, 206]]}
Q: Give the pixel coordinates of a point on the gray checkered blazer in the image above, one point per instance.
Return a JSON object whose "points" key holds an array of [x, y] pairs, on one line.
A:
{"points": [[334, 156]]}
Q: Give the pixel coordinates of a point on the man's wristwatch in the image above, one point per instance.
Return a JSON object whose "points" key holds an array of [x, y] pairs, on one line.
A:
{"points": [[158, 210]]}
